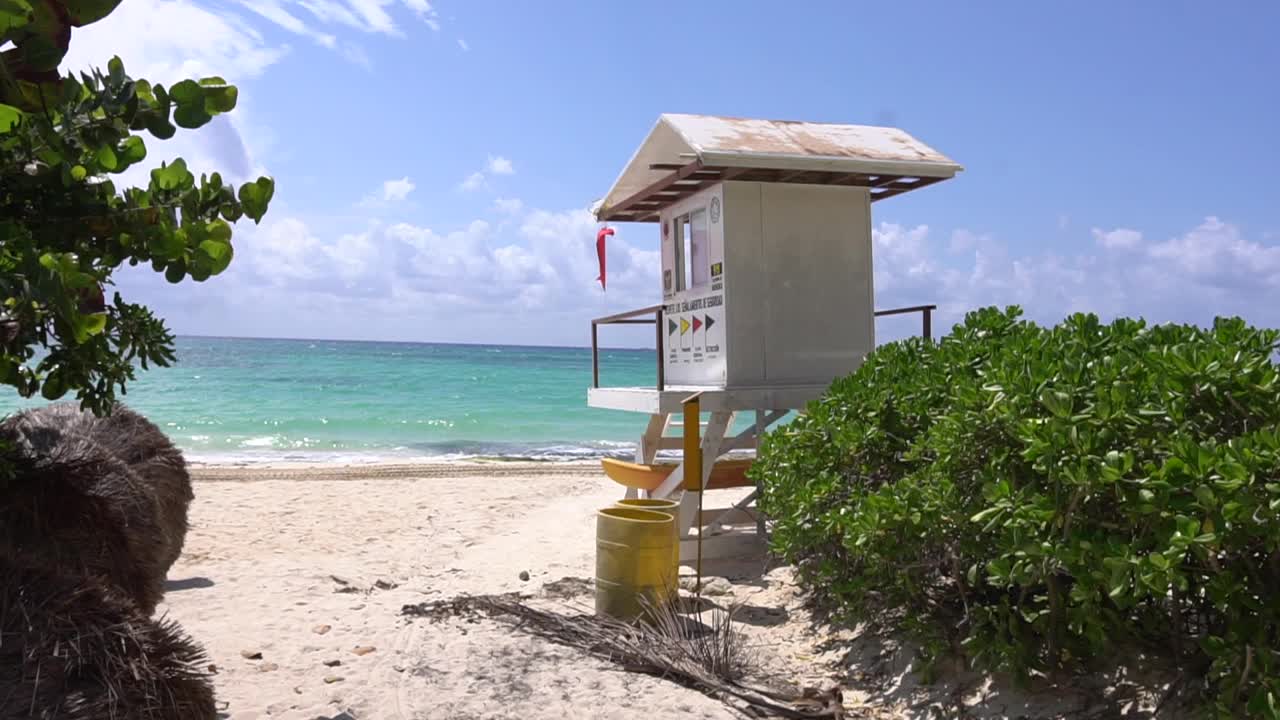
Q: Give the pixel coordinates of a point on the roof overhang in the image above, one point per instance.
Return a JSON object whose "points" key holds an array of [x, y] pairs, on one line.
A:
{"points": [[685, 154]]}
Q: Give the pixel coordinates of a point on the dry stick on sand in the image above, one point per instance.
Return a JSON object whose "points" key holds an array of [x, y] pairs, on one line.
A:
{"points": [[709, 660]]}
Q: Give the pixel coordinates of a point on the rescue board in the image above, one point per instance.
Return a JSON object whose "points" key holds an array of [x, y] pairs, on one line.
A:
{"points": [[725, 474]]}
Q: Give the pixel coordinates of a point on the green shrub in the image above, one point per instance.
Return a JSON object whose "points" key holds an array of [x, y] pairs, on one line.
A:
{"points": [[1041, 495]]}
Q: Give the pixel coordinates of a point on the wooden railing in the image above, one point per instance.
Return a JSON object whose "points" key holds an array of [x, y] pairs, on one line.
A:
{"points": [[638, 317], [926, 317], [631, 317]]}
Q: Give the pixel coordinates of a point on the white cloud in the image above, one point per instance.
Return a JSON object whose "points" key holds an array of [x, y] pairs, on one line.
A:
{"points": [[1207, 271], [474, 181], [285, 250], [329, 11], [463, 44], [391, 192], [1117, 239], [532, 280], [356, 55], [397, 189], [425, 13], [353, 256], [190, 38], [508, 206], [373, 16], [499, 165], [1214, 253], [174, 40], [276, 13], [495, 165], [534, 283]]}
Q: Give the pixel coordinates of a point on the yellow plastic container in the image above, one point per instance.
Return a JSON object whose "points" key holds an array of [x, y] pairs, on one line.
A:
{"points": [[633, 560], [668, 507]]}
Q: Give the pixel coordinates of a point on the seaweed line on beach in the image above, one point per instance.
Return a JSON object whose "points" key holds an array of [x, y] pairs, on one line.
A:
{"points": [[378, 471], [666, 649]]}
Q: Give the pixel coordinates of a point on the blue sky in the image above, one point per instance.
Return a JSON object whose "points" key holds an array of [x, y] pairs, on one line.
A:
{"points": [[434, 160]]}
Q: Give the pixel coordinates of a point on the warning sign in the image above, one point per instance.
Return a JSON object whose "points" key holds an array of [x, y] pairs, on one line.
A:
{"points": [[711, 338]]}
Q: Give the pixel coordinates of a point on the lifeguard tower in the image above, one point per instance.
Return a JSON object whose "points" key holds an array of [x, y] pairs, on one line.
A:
{"points": [[767, 292]]}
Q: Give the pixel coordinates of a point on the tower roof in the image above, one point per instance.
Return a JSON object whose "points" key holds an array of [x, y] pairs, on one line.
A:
{"points": [[686, 153]]}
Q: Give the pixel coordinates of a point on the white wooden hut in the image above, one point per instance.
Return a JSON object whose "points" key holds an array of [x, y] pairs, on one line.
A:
{"points": [[767, 292]]}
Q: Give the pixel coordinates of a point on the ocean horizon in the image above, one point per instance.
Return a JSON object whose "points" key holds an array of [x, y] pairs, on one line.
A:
{"points": [[260, 400]]}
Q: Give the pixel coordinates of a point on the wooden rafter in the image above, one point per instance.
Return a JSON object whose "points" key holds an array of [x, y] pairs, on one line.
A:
{"points": [[691, 178], [653, 188]]}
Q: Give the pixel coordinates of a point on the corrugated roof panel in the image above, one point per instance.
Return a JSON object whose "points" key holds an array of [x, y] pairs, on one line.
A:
{"points": [[709, 133], [835, 152]]}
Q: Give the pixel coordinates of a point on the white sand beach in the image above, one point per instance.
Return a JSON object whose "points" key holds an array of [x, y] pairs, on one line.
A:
{"points": [[294, 579]]}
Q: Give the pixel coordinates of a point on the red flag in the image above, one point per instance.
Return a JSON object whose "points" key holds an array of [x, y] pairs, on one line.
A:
{"points": [[600, 236]]}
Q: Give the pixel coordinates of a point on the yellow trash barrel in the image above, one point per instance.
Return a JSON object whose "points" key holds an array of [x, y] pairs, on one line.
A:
{"points": [[668, 507], [633, 559]]}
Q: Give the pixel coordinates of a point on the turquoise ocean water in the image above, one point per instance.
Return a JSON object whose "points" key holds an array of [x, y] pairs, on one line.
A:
{"points": [[241, 400]]}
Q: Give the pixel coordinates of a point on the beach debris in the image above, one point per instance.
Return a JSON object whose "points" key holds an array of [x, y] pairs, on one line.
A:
{"points": [[711, 658], [332, 663], [358, 606], [568, 587], [710, 585], [321, 629], [331, 679], [363, 650], [524, 575], [717, 586], [297, 689], [386, 585], [251, 654], [345, 586], [268, 667], [398, 668], [213, 668]]}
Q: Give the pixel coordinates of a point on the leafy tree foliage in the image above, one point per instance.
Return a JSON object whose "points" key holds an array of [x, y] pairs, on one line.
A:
{"points": [[1052, 494], [65, 227]]}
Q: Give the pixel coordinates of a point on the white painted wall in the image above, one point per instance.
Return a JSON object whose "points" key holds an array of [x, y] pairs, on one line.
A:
{"points": [[818, 294], [794, 301], [745, 283], [694, 329]]}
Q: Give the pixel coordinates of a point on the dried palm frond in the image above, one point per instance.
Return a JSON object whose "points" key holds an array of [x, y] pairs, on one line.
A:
{"points": [[708, 658], [717, 648], [107, 495], [72, 647]]}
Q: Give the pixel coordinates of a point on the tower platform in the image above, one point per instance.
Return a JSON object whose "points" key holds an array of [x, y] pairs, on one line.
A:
{"points": [[668, 400]]}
